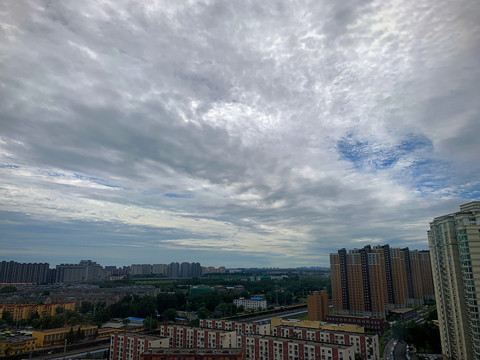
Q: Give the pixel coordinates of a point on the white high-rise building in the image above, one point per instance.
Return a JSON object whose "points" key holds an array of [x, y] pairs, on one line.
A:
{"points": [[454, 241]]}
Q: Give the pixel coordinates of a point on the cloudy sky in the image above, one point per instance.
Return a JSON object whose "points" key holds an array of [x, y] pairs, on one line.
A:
{"points": [[237, 133]]}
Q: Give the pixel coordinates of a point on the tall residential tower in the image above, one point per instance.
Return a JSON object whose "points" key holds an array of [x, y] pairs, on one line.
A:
{"points": [[370, 281], [454, 241]]}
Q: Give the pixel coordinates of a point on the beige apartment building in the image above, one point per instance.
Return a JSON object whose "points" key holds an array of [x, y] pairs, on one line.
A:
{"points": [[317, 306], [129, 346], [369, 281], [454, 241]]}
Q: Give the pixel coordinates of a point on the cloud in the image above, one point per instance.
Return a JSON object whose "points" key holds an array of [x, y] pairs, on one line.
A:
{"points": [[301, 127]]}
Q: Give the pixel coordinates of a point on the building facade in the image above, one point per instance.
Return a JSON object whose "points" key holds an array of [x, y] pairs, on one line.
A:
{"points": [[193, 337], [18, 273], [193, 354], [251, 304], [86, 270], [24, 311], [454, 241], [377, 325], [256, 347], [317, 306], [370, 281], [365, 345], [52, 337], [129, 346], [241, 327]]}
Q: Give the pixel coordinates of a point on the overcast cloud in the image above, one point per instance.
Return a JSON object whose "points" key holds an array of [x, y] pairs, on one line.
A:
{"points": [[237, 133]]}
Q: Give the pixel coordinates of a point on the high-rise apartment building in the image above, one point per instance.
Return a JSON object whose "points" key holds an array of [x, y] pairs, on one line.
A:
{"points": [[454, 241], [370, 281], [317, 306], [86, 270], [13, 272]]}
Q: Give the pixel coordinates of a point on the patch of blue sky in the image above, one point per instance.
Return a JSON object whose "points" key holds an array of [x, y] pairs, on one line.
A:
{"points": [[365, 154], [98, 181], [9, 166], [178, 196]]}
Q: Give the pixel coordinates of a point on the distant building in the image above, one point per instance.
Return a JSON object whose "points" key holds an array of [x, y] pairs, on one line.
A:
{"points": [[370, 281], [24, 311], [255, 303], [378, 325], [317, 305], [17, 273], [140, 269], [454, 241], [159, 269], [86, 270], [129, 346]]}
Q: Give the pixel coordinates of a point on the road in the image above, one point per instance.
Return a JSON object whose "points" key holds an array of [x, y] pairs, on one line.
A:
{"points": [[400, 352], [73, 354]]}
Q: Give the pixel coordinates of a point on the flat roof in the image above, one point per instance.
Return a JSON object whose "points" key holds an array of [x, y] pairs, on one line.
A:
{"points": [[66, 328], [402, 311], [140, 336]]}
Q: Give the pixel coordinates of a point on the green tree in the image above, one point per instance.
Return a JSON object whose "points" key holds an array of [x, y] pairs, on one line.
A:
{"points": [[8, 289], [86, 307], [125, 322], [203, 313], [7, 317], [70, 336], [170, 314], [150, 323]]}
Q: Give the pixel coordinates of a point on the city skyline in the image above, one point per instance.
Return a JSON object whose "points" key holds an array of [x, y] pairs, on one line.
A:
{"points": [[252, 134]]}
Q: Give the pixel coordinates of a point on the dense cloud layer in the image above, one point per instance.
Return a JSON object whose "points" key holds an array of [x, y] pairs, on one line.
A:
{"points": [[236, 133]]}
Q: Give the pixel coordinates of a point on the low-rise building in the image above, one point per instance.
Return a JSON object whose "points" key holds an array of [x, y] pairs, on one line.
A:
{"points": [[129, 346], [182, 336], [192, 354], [51, 337], [365, 345], [13, 345], [257, 347], [241, 327], [24, 311], [255, 303], [378, 325], [317, 305]]}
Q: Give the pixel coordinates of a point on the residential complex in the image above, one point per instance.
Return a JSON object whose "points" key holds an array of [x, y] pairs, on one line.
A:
{"points": [[86, 270], [13, 272], [454, 241], [192, 354], [317, 305], [255, 303], [172, 270], [370, 281], [365, 345], [24, 311], [241, 327], [129, 346], [262, 347]]}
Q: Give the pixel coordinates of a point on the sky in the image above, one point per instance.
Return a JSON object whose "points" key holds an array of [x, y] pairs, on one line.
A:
{"points": [[236, 133]]}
